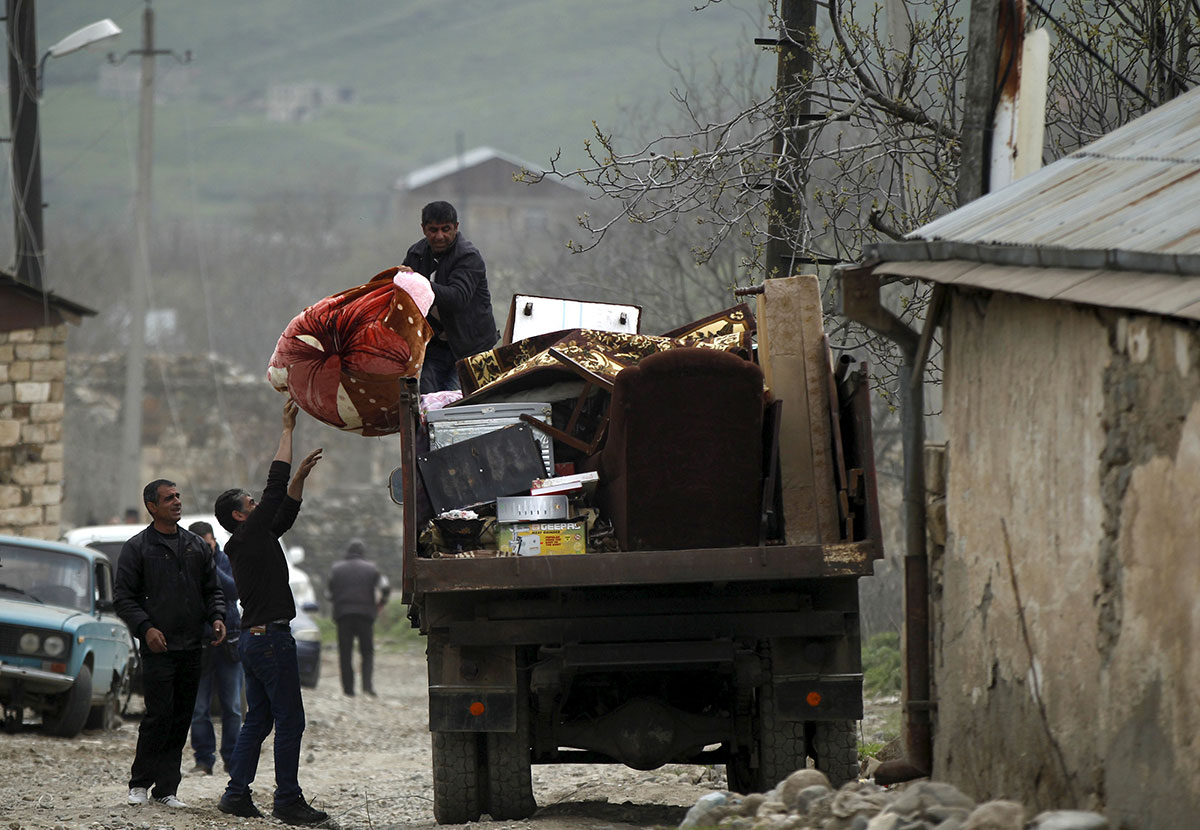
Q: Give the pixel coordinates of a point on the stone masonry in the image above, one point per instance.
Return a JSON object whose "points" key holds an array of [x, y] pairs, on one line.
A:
{"points": [[33, 366]]}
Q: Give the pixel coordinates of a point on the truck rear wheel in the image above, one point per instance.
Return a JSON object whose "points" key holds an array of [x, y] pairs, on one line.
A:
{"points": [[509, 776], [834, 750], [509, 772], [456, 796], [781, 744]]}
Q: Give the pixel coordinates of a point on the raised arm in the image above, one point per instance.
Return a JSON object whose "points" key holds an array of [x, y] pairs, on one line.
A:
{"points": [[284, 453]]}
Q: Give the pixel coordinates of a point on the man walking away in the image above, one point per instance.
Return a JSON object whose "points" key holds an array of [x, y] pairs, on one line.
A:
{"points": [[268, 651], [359, 591], [220, 669], [166, 592]]}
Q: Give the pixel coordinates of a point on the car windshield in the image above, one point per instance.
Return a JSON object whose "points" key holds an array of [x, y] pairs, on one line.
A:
{"points": [[32, 574]]}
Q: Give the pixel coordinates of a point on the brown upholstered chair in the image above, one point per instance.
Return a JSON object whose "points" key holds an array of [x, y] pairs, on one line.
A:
{"points": [[682, 465]]}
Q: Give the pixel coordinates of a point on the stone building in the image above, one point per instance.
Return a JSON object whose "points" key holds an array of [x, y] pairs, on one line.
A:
{"points": [[1064, 601], [33, 366]]}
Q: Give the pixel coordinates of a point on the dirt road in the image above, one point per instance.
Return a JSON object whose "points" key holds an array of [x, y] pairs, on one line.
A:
{"points": [[365, 760]]}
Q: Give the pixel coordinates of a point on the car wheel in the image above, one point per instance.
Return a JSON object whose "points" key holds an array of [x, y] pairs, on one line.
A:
{"points": [[106, 716], [71, 707]]}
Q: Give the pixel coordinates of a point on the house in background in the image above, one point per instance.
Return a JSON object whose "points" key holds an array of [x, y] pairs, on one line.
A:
{"points": [[1064, 601], [33, 366], [514, 224]]}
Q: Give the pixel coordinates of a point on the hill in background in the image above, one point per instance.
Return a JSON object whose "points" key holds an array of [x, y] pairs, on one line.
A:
{"points": [[402, 83]]}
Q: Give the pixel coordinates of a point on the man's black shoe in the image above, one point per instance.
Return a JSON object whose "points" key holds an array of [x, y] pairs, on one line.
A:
{"points": [[371, 692], [298, 812], [239, 806]]}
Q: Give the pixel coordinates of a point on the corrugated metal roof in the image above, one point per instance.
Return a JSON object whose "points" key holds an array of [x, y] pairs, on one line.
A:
{"points": [[1116, 223]]}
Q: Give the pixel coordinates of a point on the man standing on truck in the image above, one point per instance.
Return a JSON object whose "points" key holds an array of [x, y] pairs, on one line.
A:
{"points": [[461, 315], [267, 649], [166, 592]]}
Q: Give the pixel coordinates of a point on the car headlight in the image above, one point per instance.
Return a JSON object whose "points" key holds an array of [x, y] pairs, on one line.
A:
{"points": [[29, 643], [308, 635], [54, 645]]}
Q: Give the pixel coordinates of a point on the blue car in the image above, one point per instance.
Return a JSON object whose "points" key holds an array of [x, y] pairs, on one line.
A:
{"points": [[64, 652]]}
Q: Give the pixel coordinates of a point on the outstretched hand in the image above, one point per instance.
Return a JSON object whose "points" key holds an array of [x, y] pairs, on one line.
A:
{"points": [[290, 409], [309, 462]]}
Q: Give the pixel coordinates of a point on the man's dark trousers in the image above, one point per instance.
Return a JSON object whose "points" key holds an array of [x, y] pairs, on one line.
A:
{"points": [[438, 372], [272, 699], [361, 626], [169, 681]]}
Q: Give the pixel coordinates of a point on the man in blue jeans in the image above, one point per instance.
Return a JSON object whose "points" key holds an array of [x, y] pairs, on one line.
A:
{"points": [[267, 649], [221, 669]]}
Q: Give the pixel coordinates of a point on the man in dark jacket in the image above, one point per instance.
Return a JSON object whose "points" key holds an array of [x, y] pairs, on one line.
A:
{"points": [[267, 649], [461, 315], [166, 592], [358, 591], [221, 670]]}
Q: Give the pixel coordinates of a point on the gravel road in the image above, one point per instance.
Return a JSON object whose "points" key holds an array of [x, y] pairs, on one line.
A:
{"points": [[364, 760]]}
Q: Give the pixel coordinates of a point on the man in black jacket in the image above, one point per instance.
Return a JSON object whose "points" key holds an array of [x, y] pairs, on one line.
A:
{"points": [[266, 646], [461, 315], [166, 592]]}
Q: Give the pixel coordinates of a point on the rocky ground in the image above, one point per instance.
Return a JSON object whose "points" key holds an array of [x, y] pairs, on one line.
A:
{"points": [[365, 760]]}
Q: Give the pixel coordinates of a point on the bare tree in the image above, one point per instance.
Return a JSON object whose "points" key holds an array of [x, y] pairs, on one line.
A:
{"points": [[878, 120]]}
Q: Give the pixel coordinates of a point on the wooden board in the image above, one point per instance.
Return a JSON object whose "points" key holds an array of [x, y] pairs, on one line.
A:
{"points": [[792, 353]]}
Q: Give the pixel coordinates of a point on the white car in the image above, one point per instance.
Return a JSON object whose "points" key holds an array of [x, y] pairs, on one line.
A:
{"points": [[109, 539]]}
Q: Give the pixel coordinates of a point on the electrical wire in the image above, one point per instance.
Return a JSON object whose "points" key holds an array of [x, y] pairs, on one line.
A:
{"points": [[1085, 47]]}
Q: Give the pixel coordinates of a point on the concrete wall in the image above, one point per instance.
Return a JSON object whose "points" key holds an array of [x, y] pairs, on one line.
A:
{"points": [[1065, 600], [32, 368]]}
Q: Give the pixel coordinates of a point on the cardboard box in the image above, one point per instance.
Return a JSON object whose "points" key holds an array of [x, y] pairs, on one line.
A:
{"points": [[543, 538]]}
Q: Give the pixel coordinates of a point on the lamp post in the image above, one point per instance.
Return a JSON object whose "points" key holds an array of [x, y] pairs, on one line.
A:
{"points": [[24, 84]]}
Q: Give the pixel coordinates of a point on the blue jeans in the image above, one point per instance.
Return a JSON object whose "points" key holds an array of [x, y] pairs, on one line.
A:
{"points": [[438, 372], [272, 701], [226, 675]]}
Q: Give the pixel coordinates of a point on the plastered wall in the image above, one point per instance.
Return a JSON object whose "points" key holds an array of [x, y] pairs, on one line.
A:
{"points": [[1066, 610]]}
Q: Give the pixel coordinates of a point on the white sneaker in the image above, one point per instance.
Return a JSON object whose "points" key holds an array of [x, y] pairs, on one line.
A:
{"points": [[138, 795], [170, 801]]}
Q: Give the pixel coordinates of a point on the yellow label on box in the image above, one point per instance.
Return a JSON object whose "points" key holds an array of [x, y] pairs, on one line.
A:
{"points": [[543, 538]]}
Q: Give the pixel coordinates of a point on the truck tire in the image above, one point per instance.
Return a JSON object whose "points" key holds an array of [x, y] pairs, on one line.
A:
{"points": [[71, 708], [834, 750], [509, 771], [781, 744], [456, 777]]}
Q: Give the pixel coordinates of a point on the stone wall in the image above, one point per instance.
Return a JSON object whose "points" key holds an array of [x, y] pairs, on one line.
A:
{"points": [[32, 369], [1065, 609]]}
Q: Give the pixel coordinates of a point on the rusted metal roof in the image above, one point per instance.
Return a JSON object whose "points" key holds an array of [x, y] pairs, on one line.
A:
{"points": [[1116, 223]]}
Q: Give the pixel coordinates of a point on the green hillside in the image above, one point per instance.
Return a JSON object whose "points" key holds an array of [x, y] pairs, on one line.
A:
{"points": [[525, 76]]}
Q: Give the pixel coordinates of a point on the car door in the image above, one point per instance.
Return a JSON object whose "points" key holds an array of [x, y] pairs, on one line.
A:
{"points": [[112, 646]]}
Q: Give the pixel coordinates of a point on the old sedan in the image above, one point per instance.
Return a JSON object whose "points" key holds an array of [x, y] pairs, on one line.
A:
{"points": [[64, 653]]}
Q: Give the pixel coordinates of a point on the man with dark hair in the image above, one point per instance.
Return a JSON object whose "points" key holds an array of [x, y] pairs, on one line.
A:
{"points": [[166, 591], [461, 314], [220, 668], [268, 652], [358, 591]]}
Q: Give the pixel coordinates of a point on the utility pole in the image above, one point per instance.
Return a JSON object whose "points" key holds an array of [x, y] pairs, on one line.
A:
{"points": [[975, 158], [130, 482], [20, 25], [796, 21]]}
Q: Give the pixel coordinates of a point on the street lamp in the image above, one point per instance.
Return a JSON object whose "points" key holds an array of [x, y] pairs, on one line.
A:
{"points": [[24, 89], [90, 35]]}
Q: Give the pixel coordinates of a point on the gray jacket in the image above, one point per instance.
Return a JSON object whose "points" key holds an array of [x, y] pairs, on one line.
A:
{"points": [[353, 584]]}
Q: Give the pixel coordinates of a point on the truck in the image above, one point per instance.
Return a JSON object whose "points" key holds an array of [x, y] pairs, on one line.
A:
{"points": [[744, 654]]}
